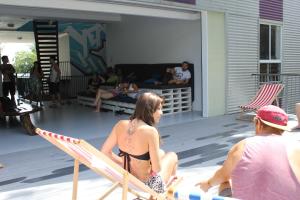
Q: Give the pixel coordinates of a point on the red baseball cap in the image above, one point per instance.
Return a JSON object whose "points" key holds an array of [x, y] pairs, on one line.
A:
{"points": [[273, 116]]}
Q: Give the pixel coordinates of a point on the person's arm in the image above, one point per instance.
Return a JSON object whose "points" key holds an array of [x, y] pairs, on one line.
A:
{"points": [[182, 81], [154, 151], [223, 174], [186, 81], [110, 143], [12, 69]]}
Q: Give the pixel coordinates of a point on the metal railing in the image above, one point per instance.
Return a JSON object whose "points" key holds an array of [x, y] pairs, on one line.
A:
{"points": [[291, 92], [69, 86]]}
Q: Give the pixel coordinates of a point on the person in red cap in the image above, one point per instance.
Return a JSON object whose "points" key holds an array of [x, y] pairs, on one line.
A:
{"points": [[265, 166]]}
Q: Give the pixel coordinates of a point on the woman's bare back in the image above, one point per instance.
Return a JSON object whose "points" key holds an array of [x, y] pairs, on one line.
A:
{"points": [[133, 138]]}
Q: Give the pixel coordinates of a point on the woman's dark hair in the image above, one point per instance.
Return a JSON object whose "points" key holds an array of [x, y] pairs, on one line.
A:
{"points": [[146, 105]]}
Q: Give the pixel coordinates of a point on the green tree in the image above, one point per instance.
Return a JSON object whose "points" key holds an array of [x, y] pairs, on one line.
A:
{"points": [[23, 61]]}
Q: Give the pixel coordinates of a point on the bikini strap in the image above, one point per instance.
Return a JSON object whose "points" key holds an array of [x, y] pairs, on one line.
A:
{"points": [[126, 165]]}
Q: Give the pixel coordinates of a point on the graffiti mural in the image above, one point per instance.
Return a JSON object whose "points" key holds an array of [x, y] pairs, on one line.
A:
{"points": [[87, 46]]}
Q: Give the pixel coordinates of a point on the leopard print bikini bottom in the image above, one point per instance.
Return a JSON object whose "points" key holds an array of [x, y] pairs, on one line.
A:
{"points": [[156, 183]]}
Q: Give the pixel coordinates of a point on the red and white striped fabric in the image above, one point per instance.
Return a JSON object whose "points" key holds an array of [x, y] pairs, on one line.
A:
{"points": [[61, 137], [80, 151], [265, 96], [69, 143]]}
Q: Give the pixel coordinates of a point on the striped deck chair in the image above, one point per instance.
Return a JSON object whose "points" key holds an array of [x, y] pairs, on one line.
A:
{"points": [[84, 153], [266, 95]]}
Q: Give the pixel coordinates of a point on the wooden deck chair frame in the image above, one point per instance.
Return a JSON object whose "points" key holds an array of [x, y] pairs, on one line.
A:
{"points": [[104, 166], [257, 102]]}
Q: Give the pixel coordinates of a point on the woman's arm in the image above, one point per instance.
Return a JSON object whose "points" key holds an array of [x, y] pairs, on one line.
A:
{"points": [[110, 143], [154, 150]]}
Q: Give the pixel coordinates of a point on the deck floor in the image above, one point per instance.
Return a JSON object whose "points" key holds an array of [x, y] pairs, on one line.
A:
{"points": [[35, 169]]}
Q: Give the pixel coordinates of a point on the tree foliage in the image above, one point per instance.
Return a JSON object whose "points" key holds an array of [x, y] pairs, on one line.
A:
{"points": [[23, 61]]}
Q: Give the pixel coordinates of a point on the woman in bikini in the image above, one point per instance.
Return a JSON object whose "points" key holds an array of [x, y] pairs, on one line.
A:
{"points": [[138, 141]]}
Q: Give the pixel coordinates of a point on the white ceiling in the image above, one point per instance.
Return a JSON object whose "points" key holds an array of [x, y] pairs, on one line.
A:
{"points": [[16, 37], [12, 23]]}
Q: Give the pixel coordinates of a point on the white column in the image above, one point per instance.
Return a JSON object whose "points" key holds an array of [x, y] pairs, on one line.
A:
{"points": [[205, 102]]}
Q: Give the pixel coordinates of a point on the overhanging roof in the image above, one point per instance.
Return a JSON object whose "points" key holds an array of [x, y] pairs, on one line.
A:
{"points": [[99, 11]]}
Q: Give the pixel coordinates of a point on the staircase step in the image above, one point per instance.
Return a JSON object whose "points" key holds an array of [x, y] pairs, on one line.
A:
{"points": [[52, 53], [47, 51], [40, 25], [46, 69], [43, 22], [42, 42], [45, 34], [46, 28], [46, 40]]}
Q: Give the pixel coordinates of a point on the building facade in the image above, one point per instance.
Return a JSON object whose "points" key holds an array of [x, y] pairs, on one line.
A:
{"points": [[226, 40]]}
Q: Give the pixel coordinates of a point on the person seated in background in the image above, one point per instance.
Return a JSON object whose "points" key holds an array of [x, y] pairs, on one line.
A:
{"points": [[178, 75], [138, 142], [155, 79], [123, 89], [94, 83], [111, 77], [265, 166]]}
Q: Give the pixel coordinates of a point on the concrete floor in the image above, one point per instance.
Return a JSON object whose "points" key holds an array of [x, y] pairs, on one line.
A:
{"points": [[35, 169]]}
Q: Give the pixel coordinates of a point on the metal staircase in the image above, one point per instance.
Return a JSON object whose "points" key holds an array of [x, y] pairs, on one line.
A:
{"points": [[46, 42]]}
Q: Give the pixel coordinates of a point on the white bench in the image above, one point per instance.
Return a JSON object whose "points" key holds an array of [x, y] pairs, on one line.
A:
{"points": [[176, 100]]}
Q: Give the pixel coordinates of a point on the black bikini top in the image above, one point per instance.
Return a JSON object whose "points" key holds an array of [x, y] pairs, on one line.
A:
{"points": [[145, 156]]}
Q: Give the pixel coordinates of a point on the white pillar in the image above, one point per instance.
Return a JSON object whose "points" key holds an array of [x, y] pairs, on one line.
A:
{"points": [[204, 63]]}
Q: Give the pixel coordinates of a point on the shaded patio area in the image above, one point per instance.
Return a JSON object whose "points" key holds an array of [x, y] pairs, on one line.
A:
{"points": [[34, 169]]}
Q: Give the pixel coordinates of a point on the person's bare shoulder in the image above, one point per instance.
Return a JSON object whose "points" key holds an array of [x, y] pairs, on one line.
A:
{"points": [[149, 131], [122, 123], [237, 150]]}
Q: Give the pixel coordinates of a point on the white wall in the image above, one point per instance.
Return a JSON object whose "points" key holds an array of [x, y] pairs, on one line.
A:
{"points": [[156, 40], [64, 53]]}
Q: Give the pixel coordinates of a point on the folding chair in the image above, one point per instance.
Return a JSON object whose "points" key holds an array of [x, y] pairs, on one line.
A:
{"points": [[84, 153], [266, 95]]}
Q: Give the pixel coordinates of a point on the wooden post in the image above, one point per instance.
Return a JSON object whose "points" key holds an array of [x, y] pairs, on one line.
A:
{"points": [[125, 185], [75, 179], [112, 188]]}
